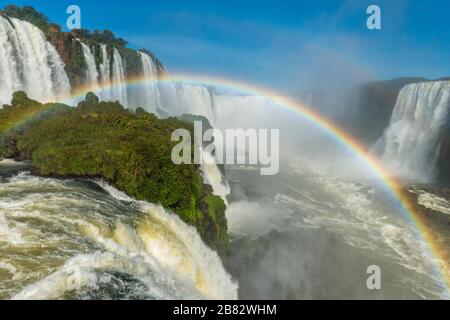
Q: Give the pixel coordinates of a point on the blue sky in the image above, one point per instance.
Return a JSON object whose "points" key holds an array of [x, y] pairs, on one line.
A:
{"points": [[287, 45]]}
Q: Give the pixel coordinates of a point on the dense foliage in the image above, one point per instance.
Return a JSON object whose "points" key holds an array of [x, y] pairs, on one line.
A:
{"points": [[104, 36], [131, 150], [17, 117]]}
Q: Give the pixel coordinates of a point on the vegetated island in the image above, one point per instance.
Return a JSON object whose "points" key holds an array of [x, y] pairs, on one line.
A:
{"points": [[131, 150]]}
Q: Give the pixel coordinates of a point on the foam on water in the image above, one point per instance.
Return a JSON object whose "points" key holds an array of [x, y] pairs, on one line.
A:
{"points": [[356, 211], [433, 201], [81, 240]]}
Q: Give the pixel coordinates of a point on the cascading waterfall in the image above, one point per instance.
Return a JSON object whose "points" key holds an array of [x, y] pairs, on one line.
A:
{"points": [[105, 74], [410, 144], [182, 98], [170, 97], [29, 63], [8, 66], [119, 86], [196, 99], [107, 84], [92, 75], [150, 92], [213, 176]]}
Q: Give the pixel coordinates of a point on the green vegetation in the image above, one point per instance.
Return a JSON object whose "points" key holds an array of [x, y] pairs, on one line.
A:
{"points": [[17, 117], [101, 36], [130, 150], [29, 14]]}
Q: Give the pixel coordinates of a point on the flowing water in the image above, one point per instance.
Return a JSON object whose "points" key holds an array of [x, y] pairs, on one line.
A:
{"points": [[150, 97], [214, 177], [176, 99], [410, 143], [119, 87], [307, 234], [301, 234], [83, 239], [92, 75], [105, 74], [27, 59]]}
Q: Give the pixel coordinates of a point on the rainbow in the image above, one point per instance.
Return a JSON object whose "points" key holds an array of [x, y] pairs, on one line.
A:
{"points": [[26, 116], [393, 187]]}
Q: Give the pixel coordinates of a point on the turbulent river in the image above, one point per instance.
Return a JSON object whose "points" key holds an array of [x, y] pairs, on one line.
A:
{"points": [[78, 239], [305, 234], [302, 234]]}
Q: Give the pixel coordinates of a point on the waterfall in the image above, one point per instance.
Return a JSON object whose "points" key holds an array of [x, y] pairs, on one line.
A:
{"points": [[410, 144], [150, 92], [109, 86], [119, 86], [196, 99], [105, 74], [180, 98], [29, 63], [213, 176], [8, 67], [91, 70]]}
